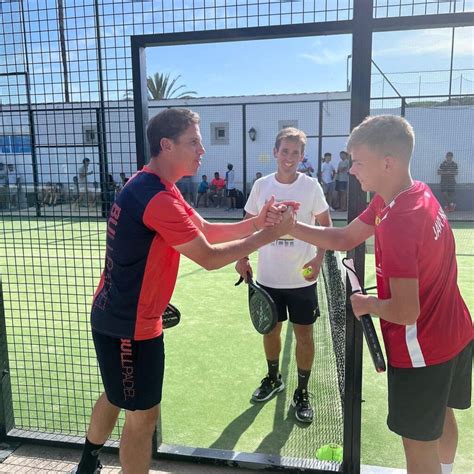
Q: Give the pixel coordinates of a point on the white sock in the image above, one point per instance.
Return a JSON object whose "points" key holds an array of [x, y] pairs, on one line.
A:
{"points": [[446, 468]]}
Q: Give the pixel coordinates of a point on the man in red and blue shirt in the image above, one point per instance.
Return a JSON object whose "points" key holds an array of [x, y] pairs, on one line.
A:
{"points": [[426, 325], [150, 225]]}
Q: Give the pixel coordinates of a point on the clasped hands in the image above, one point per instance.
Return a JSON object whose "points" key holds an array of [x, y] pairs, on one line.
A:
{"points": [[279, 217]]}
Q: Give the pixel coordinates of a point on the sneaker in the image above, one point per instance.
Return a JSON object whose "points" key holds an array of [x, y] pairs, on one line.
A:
{"points": [[303, 410], [268, 388], [95, 471]]}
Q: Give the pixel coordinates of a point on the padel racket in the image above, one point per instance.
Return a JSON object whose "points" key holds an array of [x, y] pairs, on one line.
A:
{"points": [[262, 308], [171, 317], [366, 320]]}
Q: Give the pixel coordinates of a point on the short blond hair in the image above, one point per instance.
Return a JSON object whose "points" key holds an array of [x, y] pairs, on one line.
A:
{"points": [[387, 134], [293, 134]]}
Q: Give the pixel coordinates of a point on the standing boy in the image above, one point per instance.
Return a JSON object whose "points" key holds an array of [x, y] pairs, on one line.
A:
{"points": [[426, 325]]}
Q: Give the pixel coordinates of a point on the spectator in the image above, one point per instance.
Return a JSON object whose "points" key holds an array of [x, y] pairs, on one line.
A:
{"points": [[230, 187], [49, 194], [217, 190], [13, 185], [74, 190], [328, 172], [342, 180], [58, 193], [448, 170], [185, 185], [111, 187], [202, 191], [3, 187], [306, 167], [83, 172]]}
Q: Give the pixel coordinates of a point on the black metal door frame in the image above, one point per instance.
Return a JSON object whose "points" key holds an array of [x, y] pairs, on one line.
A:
{"points": [[362, 27]]}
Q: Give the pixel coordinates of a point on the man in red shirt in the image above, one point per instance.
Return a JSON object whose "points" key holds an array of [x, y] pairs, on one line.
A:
{"points": [[426, 326], [149, 227], [216, 191]]}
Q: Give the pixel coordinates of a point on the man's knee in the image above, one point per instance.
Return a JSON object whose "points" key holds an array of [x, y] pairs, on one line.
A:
{"points": [[143, 419], [421, 455], [304, 333]]}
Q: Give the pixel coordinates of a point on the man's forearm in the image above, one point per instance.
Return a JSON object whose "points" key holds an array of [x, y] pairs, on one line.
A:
{"points": [[389, 311], [224, 253], [322, 237], [217, 233]]}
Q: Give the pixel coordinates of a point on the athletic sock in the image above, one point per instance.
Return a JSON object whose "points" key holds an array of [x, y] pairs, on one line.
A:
{"points": [[273, 368], [303, 378], [90, 457], [446, 468]]}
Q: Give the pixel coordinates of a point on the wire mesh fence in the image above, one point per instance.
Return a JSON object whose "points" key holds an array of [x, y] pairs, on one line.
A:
{"points": [[67, 146]]}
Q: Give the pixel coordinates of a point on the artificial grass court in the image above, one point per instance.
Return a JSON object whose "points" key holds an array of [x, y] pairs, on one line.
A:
{"points": [[214, 357]]}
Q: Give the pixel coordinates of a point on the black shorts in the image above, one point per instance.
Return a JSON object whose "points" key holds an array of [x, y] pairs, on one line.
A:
{"points": [[232, 193], [417, 398], [132, 371], [341, 185], [300, 303]]}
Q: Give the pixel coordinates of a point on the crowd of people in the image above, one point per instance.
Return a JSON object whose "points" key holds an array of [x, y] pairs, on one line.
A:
{"points": [[219, 192], [426, 325]]}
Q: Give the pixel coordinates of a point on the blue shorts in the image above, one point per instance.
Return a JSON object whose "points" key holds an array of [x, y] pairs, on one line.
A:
{"points": [[301, 304], [132, 371]]}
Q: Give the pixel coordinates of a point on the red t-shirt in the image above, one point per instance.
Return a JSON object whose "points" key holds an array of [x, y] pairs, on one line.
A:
{"points": [[218, 183], [413, 239], [148, 218]]}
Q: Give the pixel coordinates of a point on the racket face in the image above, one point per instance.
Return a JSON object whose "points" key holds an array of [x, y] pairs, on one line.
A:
{"points": [[171, 317], [262, 311]]}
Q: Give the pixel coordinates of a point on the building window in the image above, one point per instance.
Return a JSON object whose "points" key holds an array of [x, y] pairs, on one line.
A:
{"points": [[15, 143], [220, 133], [90, 135], [287, 123]]}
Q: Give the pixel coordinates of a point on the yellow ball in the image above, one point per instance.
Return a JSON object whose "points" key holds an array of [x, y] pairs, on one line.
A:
{"points": [[306, 271]]}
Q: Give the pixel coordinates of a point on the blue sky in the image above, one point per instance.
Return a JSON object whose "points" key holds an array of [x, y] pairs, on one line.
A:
{"points": [[318, 64]]}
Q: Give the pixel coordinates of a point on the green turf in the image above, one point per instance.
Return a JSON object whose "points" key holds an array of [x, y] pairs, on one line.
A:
{"points": [[214, 358]]}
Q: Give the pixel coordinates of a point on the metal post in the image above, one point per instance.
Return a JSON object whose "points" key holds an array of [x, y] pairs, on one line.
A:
{"points": [[320, 137], [100, 118], [244, 149], [140, 101], [6, 404], [451, 67], [360, 108]]}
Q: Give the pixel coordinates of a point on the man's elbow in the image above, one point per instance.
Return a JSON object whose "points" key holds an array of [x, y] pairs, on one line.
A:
{"points": [[409, 318]]}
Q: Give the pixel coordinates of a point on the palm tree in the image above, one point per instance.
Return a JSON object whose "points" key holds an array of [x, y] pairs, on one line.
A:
{"points": [[161, 86]]}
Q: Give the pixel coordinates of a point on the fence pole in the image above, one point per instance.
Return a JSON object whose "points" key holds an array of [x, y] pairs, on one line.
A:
{"points": [[6, 405]]}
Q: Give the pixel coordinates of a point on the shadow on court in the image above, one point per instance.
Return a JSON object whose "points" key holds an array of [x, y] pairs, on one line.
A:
{"points": [[283, 420]]}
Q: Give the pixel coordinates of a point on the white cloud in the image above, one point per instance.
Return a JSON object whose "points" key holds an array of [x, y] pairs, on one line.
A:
{"points": [[325, 56], [425, 43]]}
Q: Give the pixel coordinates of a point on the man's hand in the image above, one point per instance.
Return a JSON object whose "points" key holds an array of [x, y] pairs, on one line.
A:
{"points": [[315, 266], [274, 212], [361, 304], [285, 226], [243, 266]]}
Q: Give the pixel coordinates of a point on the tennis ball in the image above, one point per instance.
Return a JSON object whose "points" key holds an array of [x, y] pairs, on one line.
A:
{"points": [[306, 271], [330, 452]]}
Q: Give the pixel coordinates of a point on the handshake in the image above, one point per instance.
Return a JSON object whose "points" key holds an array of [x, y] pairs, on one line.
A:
{"points": [[278, 218]]}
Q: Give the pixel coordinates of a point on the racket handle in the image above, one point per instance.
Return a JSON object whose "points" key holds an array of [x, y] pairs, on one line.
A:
{"points": [[373, 343]]}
